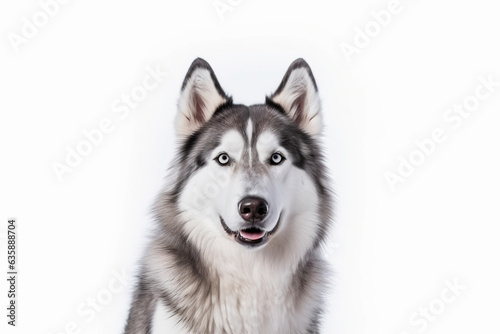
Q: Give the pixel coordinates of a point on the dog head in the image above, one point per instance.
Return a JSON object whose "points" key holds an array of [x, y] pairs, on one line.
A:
{"points": [[248, 174]]}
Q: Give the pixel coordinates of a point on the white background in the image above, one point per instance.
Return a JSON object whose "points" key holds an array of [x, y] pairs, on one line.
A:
{"points": [[392, 250]]}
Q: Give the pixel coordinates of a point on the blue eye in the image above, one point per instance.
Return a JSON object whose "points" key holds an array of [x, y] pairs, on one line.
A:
{"points": [[276, 159], [223, 159]]}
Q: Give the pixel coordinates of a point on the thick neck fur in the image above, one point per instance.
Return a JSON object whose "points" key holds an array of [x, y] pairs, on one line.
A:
{"points": [[228, 288]]}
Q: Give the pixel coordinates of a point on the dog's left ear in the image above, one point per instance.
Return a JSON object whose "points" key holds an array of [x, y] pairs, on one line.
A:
{"points": [[201, 95], [298, 96]]}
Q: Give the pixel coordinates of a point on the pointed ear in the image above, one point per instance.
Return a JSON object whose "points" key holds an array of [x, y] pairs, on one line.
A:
{"points": [[201, 95], [298, 96]]}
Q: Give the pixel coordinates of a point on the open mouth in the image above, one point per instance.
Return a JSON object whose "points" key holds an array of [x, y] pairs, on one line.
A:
{"points": [[251, 236]]}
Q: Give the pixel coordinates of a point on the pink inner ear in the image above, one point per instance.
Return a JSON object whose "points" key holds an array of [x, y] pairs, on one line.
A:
{"points": [[198, 106], [298, 105], [297, 95], [200, 97]]}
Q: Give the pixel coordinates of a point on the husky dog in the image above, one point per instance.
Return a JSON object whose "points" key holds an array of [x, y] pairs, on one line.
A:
{"points": [[242, 220]]}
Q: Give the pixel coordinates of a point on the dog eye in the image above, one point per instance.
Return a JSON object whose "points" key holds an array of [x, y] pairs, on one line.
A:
{"points": [[223, 159], [276, 159]]}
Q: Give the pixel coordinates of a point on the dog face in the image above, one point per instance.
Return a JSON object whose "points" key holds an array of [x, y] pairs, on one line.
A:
{"points": [[248, 172]]}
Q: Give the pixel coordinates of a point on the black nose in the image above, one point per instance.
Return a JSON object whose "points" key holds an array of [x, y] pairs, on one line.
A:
{"points": [[253, 209]]}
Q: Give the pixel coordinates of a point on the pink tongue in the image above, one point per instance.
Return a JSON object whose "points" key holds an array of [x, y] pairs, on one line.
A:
{"points": [[252, 236]]}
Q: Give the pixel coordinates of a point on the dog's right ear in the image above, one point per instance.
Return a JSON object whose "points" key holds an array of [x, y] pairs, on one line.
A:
{"points": [[201, 95]]}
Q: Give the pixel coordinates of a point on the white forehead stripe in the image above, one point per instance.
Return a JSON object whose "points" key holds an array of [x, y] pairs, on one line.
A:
{"points": [[249, 136], [249, 131]]}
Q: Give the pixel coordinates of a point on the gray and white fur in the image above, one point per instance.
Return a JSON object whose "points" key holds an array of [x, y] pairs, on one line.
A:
{"points": [[241, 221]]}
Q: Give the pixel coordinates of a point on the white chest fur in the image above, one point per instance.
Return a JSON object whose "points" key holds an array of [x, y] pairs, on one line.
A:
{"points": [[238, 306], [243, 293]]}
